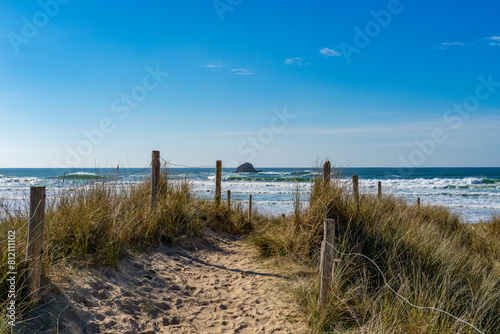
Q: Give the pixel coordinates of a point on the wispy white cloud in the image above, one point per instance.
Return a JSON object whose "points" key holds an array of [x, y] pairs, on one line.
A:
{"points": [[445, 45], [296, 61], [493, 40], [241, 71], [488, 41], [211, 66], [326, 52], [215, 64], [454, 43]]}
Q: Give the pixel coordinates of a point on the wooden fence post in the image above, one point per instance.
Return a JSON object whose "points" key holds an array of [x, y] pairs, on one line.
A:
{"points": [[327, 167], [155, 177], [34, 249], [418, 201], [326, 264], [379, 189], [229, 199], [250, 207], [283, 216], [355, 187], [218, 180]]}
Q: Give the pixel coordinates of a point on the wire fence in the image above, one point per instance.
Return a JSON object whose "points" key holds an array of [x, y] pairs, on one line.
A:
{"points": [[167, 163], [86, 184], [185, 166], [385, 284], [83, 185], [113, 178]]}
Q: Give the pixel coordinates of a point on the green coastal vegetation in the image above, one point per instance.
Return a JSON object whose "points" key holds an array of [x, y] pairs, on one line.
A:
{"points": [[426, 253]]}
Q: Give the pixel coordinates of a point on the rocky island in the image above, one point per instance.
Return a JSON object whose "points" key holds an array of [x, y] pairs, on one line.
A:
{"points": [[247, 168]]}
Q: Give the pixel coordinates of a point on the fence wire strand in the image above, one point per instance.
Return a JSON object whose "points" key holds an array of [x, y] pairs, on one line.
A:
{"points": [[385, 280], [185, 166]]}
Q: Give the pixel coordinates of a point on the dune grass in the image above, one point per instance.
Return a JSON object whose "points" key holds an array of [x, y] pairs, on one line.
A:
{"points": [[426, 254], [101, 222]]}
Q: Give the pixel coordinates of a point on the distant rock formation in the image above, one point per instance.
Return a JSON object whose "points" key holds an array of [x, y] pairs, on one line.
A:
{"points": [[247, 168]]}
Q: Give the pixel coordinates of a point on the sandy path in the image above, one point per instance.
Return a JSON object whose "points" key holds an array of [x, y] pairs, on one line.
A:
{"points": [[214, 286]]}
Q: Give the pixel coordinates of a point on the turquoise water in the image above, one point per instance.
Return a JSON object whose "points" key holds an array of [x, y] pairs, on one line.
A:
{"points": [[472, 192]]}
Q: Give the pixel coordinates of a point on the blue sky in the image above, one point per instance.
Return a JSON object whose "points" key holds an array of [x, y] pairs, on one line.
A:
{"points": [[363, 83]]}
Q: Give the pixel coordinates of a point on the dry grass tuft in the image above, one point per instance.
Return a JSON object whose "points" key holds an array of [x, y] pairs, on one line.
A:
{"points": [[102, 221], [426, 254]]}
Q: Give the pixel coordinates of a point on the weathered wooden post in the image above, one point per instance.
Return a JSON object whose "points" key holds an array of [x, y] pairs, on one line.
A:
{"points": [[355, 187], [155, 177], [250, 207], [418, 201], [229, 199], [218, 180], [283, 215], [327, 167], [379, 189], [34, 249], [326, 264]]}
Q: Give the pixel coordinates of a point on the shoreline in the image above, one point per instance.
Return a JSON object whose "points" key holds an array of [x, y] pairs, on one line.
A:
{"points": [[474, 201]]}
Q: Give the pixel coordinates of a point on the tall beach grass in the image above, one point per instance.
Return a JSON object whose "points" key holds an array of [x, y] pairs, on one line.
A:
{"points": [[426, 254], [97, 223]]}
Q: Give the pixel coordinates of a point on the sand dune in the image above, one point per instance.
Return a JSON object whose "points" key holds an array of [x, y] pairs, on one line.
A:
{"points": [[216, 285]]}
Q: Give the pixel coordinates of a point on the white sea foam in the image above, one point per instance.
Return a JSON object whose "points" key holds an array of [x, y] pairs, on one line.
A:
{"points": [[459, 194], [421, 183], [19, 181], [82, 174], [273, 191]]}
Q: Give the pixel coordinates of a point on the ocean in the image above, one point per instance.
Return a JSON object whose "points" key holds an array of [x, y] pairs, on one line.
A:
{"points": [[474, 193]]}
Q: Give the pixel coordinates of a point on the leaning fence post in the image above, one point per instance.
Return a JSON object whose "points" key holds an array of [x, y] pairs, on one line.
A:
{"points": [[218, 179], [250, 207], [355, 187], [327, 167], [379, 189], [326, 264], [34, 249], [229, 199], [155, 177]]}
